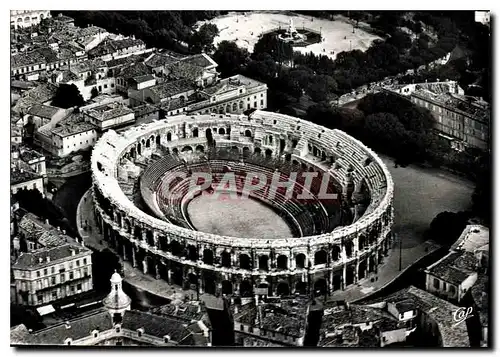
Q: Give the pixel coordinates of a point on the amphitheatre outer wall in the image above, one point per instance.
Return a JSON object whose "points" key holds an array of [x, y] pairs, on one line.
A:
{"points": [[217, 264]]}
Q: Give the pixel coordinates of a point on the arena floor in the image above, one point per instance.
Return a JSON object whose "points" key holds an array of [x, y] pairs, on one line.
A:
{"points": [[227, 215], [244, 30]]}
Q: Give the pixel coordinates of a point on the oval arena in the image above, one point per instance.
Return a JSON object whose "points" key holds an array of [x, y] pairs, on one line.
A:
{"points": [[144, 198]]}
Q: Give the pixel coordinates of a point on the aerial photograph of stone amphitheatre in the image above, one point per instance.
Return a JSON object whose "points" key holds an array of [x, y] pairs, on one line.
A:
{"points": [[239, 179]]}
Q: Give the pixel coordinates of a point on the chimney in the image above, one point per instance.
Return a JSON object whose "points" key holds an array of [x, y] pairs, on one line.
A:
{"points": [[83, 243], [47, 221], [59, 229], [68, 326], [73, 252], [40, 260], [48, 259], [63, 231]]}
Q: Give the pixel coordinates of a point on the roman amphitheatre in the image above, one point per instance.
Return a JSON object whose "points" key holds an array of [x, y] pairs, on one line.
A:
{"points": [[284, 245], [245, 28]]}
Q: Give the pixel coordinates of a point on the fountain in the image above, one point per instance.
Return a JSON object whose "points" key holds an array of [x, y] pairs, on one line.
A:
{"points": [[291, 35]]}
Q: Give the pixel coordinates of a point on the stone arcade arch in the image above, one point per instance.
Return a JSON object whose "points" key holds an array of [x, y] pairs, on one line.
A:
{"points": [[209, 283], [264, 263], [225, 259], [362, 269], [257, 151], [226, 287], [139, 147], [320, 257], [187, 148], [349, 248], [349, 276], [158, 140], [192, 253], [337, 282], [320, 287], [282, 262], [208, 257], [282, 289], [362, 242], [248, 133], [269, 153], [335, 253], [246, 289], [200, 148], [246, 151], [300, 261], [301, 288], [149, 238], [245, 262], [176, 248], [222, 131]]}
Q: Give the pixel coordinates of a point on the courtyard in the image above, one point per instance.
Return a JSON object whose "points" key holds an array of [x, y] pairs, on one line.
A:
{"points": [[244, 29]]}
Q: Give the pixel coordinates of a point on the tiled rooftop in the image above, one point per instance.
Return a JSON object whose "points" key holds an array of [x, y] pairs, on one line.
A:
{"points": [[43, 111], [169, 89], [455, 267], [19, 176], [65, 128], [32, 261], [109, 111]]}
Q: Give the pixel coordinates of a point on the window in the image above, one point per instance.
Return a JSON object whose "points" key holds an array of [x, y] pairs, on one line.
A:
{"points": [[452, 289], [261, 102], [105, 86], [112, 85], [62, 278], [71, 265], [255, 104], [84, 261], [38, 274], [54, 295], [72, 288], [52, 270], [53, 280], [436, 283], [444, 286], [45, 271], [39, 299], [71, 275], [79, 287]]}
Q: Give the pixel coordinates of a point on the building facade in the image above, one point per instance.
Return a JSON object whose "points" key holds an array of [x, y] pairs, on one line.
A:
{"points": [[46, 275]]}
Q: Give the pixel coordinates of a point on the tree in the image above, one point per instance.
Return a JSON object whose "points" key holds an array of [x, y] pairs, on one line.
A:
{"points": [[67, 96], [269, 43], [94, 93], [203, 39], [230, 58], [321, 88], [447, 227]]}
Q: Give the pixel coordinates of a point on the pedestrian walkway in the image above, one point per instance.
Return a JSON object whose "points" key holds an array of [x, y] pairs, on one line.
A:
{"points": [[387, 272]]}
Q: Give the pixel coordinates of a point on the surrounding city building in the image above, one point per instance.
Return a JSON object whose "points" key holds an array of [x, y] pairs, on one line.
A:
{"points": [[463, 121], [25, 179], [27, 18], [116, 324], [453, 276], [49, 274]]}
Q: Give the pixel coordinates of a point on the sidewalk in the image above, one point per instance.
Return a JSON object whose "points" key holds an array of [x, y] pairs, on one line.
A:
{"points": [[387, 272]]}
